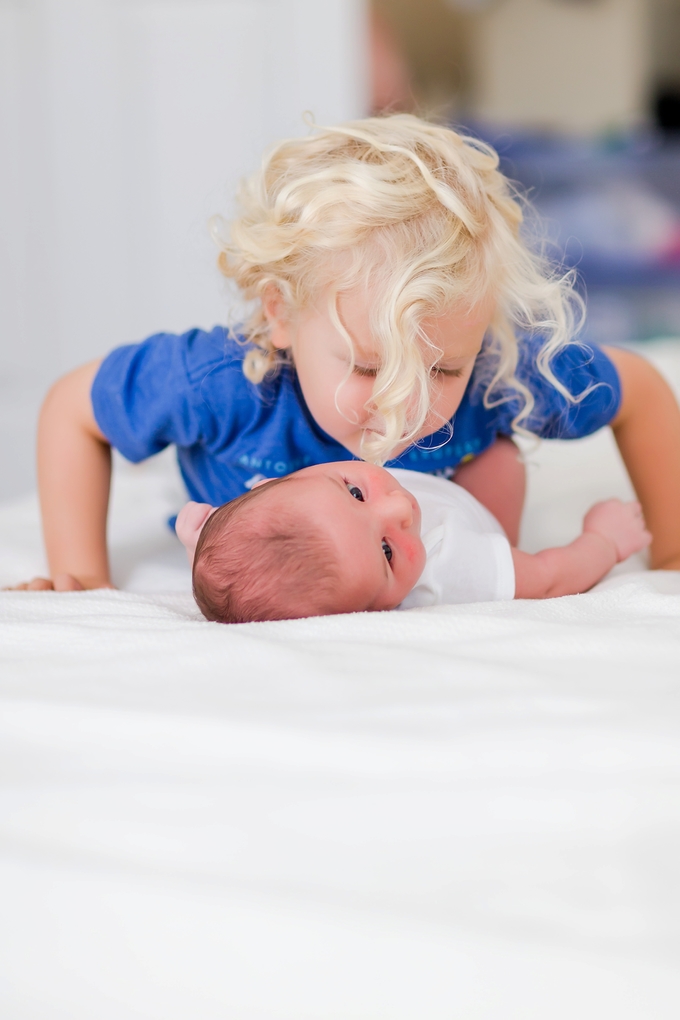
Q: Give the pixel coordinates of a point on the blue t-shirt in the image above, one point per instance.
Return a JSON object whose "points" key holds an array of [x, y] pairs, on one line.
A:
{"points": [[190, 391]]}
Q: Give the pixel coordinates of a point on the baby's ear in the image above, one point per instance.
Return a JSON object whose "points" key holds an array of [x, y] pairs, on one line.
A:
{"points": [[189, 524]]}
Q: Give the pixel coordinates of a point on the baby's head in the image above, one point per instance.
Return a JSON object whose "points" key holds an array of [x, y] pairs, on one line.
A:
{"points": [[333, 538], [378, 256]]}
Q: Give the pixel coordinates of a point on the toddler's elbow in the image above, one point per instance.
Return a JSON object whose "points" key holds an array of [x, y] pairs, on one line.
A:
{"points": [[69, 399]]}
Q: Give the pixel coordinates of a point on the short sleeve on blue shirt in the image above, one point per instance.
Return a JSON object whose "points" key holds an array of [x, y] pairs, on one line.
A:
{"points": [[150, 395], [587, 374]]}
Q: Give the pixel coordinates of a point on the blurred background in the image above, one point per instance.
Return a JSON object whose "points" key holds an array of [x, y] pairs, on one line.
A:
{"points": [[125, 124]]}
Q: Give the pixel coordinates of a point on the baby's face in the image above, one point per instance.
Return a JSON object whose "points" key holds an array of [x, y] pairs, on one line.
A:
{"points": [[372, 522]]}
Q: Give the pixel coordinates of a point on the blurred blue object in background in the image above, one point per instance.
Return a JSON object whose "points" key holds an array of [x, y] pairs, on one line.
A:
{"points": [[610, 209]]}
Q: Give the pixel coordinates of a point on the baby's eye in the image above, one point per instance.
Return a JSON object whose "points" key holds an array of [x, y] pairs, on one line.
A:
{"points": [[364, 370], [387, 550], [355, 491]]}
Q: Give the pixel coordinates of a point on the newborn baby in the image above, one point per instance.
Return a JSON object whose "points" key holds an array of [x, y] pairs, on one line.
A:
{"points": [[350, 537]]}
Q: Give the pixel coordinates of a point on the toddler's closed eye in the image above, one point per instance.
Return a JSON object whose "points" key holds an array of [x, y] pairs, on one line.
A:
{"points": [[455, 373]]}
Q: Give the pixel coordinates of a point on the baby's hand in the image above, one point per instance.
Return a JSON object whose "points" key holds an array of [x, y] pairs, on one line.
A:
{"points": [[619, 523]]}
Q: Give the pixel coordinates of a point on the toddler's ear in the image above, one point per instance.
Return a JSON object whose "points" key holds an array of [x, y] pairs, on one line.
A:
{"points": [[276, 314], [190, 521]]}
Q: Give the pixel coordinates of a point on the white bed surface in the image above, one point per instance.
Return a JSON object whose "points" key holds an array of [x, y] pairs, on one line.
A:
{"points": [[461, 812]]}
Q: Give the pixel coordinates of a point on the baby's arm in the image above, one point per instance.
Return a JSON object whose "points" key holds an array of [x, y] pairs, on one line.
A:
{"points": [[74, 475], [612, 531]]}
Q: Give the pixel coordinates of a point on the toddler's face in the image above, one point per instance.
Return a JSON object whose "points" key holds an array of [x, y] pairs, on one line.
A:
{"points": [[372, 522], [322, 360]]}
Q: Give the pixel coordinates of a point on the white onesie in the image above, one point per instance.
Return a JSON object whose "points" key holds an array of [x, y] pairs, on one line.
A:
{"points": [[468, 555]]}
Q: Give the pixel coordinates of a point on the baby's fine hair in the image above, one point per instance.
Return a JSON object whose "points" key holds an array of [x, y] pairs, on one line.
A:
{"points": [[423, 216], [253, 565]]}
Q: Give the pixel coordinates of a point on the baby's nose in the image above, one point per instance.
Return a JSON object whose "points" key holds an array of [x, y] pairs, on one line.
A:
{"points": [[400, 508]]}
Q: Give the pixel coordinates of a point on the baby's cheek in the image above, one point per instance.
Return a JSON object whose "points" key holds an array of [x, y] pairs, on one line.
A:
{"points": [[411, 551], [414, 552]]}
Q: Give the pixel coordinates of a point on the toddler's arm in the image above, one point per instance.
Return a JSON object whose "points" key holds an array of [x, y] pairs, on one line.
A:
{"points": [[647, 431], [74, 475], [497, 478], [612, 531]]}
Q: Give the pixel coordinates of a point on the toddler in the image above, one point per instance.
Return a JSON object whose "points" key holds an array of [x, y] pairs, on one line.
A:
{"points": [[346, 537], [397, 315]]}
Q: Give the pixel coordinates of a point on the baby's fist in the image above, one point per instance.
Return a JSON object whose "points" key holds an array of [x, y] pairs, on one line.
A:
{"points": [[619, 523]]}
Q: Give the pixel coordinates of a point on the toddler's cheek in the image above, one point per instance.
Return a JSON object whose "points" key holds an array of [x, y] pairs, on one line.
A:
{"points": [[445, 404]]}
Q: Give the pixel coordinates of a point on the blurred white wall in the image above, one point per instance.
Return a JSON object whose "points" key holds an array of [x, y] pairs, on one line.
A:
{"points": [[124, 124], [580, 65]]}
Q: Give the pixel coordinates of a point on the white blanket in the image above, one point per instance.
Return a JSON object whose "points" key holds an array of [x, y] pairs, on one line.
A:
{"points": [[462, 812]]}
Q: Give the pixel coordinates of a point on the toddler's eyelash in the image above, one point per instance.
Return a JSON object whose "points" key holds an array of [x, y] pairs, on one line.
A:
{"points": [[456, 373], [366, 372], [371, 373]]}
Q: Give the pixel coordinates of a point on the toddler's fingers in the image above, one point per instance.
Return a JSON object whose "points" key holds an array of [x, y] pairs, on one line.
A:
{"points": [[66, 582], [38, 584]]}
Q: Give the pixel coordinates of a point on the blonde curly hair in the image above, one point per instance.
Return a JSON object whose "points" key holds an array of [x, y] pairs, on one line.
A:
{"points": [[420, 214]]}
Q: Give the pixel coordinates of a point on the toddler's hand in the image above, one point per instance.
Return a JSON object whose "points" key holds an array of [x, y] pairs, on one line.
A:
{"points": [[61, 582], [620, 523]]}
